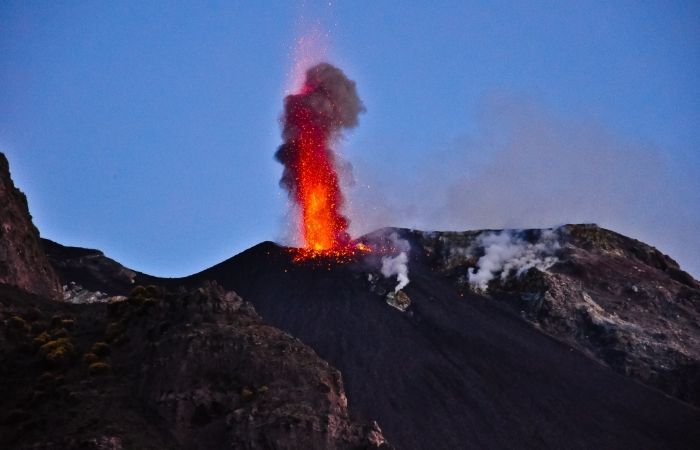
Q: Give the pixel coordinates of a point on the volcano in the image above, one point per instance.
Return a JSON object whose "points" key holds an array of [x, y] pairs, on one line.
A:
{"points": [[583, 365], [572, 337]]}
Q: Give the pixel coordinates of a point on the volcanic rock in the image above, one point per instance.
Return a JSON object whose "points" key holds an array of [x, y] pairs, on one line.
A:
{"points": [[398, 300], [22, 259], [459, 368], [618, 300], [517, 366], [88, 269], [545, 349], [190, 370]]}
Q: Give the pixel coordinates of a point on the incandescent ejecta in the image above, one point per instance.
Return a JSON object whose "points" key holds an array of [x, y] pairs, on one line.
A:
{"points": [[313, 120]]}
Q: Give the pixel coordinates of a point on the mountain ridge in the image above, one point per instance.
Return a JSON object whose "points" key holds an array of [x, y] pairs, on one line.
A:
{"points": [[570, 337], [452, 339]]}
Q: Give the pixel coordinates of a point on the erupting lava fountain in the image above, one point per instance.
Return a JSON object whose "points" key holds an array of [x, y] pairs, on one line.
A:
{"points": [[313, 120]]}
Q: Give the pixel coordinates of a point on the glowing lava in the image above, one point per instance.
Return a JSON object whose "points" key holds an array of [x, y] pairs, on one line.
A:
{"points": [[313, 120], [318, 192]]}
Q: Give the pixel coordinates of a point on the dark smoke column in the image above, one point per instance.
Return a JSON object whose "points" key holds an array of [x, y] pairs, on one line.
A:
{"points": [[313, 119]]}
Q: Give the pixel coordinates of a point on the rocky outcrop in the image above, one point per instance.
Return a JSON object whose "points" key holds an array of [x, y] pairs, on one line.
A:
{"points": [[190, 370], [89, 269], [22, 259], [620, 301], [626, 304]]}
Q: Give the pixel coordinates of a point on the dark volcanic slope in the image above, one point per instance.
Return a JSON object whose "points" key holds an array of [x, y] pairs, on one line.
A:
{"points": [[193, 370], [456, 370]]}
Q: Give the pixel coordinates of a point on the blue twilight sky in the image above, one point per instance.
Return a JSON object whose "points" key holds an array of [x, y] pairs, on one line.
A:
{"points": [[147, 129]]}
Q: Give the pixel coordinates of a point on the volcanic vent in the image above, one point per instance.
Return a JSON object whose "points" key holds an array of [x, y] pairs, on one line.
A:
{"points": [[314, 118]]}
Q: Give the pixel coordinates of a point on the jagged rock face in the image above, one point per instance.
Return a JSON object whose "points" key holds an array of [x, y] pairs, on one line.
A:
{"points": [[620, 301], [193, 370], [22, 259]]}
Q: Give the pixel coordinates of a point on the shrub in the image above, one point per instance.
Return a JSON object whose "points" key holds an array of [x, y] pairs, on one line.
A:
{"points": [[58, 351], [114, 330], [138, 291], [38, 326], [56, 321], [42, 339], [100, 349], [116, 306], [152, 291], [247, 393], [99, 368], [17, 323], [90, 358], [34, 314], [46, 378], [59, 333], [135, 300]]}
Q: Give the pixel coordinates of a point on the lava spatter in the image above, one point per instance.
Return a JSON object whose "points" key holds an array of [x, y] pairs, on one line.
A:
{"points": [[313, 119]]}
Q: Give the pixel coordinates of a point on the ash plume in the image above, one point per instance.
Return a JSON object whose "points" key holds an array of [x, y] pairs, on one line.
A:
{"points": [[313, 119]]}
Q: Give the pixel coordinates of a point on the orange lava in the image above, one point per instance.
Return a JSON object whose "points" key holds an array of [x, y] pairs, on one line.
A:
{"points": [[318, 195], [323, 227], [337, 255], [314, 118]]}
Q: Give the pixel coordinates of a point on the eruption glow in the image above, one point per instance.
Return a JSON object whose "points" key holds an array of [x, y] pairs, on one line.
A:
{"points": [[313, 120]]}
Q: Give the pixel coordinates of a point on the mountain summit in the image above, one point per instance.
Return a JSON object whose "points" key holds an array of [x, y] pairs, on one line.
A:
{"points": [[571, 337]]}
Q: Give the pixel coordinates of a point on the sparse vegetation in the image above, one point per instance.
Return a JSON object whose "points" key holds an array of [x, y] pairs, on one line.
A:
{"points": [[101, 349], [16, 323], [38, 326], [153, 291], [46, 379], [59, 333], [99, 368], [58, 351], [247, 393], [114, 331], [138, 291], [42, 339], [116, 306], [90, 358]]}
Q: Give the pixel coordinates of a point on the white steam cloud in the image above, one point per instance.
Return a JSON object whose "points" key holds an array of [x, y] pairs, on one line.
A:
{"points": [[397, 265], [522, 166], [506, 253]]}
